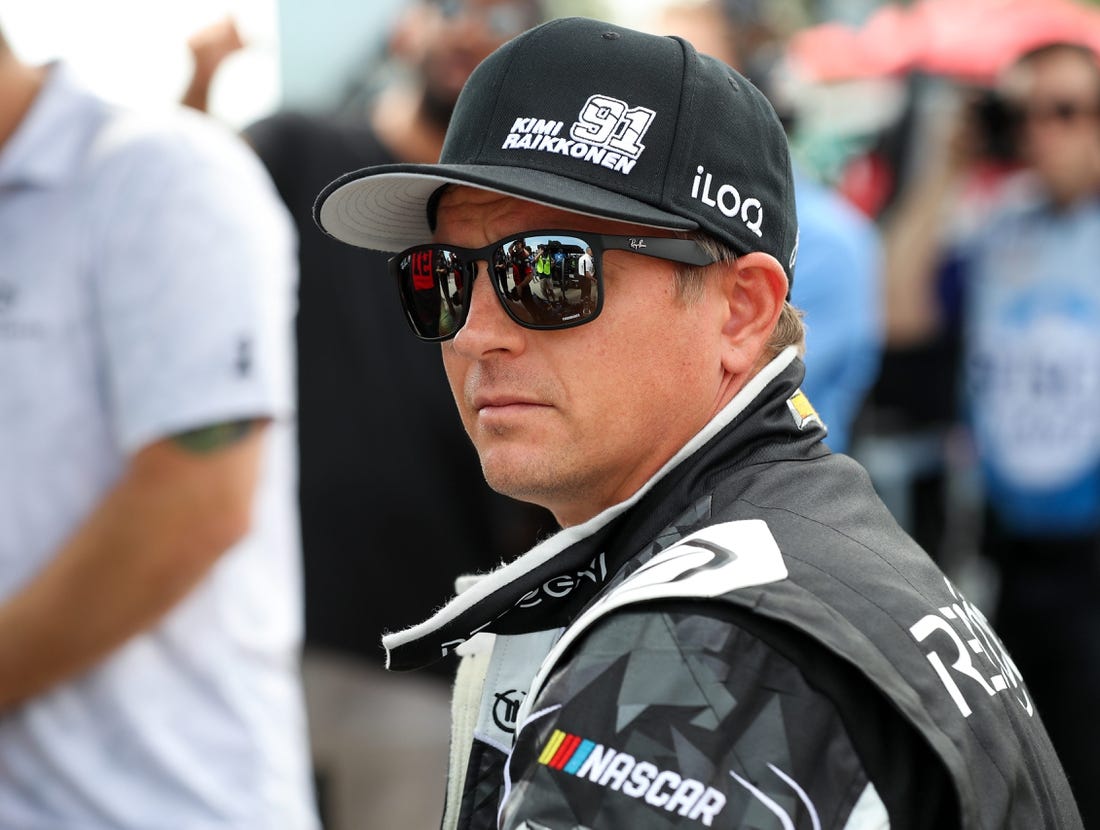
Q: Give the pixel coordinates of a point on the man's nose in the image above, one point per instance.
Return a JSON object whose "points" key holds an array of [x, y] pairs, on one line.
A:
{"points": [[488, 327]]}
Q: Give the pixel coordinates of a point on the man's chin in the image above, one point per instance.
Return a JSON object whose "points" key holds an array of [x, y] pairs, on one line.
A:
{"points": [[524, 479]]}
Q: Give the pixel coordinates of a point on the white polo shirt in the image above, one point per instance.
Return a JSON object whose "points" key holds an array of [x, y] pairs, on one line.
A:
{"points": [[147, 278]]}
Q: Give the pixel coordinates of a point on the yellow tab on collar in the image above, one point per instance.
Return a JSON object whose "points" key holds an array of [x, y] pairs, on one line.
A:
{"points": [[802, 410]]}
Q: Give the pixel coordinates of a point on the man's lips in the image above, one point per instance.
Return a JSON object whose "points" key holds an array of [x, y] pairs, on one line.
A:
{"points": [[500, 402]]}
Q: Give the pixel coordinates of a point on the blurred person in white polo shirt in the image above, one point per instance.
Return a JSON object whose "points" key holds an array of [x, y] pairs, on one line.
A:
{"points": [[149, 571]]}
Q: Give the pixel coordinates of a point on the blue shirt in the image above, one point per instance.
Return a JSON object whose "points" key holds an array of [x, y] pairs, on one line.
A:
{"points": [[836, 284], [1032, 364]]}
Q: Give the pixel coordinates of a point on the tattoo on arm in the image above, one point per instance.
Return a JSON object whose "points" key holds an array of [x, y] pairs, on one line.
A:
{"points": [[214, 437]]}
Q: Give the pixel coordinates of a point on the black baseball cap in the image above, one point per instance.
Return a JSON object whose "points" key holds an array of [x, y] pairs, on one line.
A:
{"points": [[598, 119]]}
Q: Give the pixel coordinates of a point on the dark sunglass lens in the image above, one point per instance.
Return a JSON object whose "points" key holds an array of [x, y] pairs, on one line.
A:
{"points": [[547, 281], [433, 283]]}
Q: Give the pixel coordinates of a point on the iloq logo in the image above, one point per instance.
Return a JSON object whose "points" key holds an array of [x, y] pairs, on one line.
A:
{"points": [[727, 199], [608, 132]]}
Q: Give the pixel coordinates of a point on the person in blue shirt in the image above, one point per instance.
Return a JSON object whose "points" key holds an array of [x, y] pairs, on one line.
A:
{"points": [[1032, 374], [1029, 320], [839, 264]]}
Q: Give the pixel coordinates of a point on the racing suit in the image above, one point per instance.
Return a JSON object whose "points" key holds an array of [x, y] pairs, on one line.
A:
{"points": [[750, 641]]}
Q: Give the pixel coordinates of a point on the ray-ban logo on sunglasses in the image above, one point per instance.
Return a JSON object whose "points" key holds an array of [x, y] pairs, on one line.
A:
{"points": [[637, 243]]}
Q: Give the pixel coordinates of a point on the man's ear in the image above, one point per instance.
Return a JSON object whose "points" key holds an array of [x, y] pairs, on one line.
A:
{"points": [[755, 289]]}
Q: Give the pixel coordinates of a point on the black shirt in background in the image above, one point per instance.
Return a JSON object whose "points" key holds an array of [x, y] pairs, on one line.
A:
{"points": [[393, 503]]}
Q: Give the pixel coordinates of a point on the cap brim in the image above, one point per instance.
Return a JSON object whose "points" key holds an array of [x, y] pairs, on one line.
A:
{"points": [[386, 207]]}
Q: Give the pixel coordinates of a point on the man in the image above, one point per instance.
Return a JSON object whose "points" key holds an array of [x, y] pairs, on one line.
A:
{"points": [[1031, 335], [730, 631], [149, 569], [379, 447], [586, 275], [586, 269]]}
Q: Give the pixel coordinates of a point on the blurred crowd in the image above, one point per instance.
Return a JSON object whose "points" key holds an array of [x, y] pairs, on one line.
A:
{"points": [[947, 158]]}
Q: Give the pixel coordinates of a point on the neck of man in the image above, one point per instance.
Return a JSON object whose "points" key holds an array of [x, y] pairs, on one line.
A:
{"points": [[19, 84], [408, 125]]}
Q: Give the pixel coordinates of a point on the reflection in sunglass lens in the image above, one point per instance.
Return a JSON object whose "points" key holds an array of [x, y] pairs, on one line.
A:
{"points": [[546, 281], [433, 284]]}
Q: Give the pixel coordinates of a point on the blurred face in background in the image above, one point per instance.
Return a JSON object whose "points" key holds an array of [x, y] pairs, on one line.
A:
{"points": [[1058, 94], [704, 25], [457, 35]]}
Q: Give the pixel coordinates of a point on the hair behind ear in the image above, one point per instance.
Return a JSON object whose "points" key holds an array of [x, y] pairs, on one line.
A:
{"points": [[789, 331]]}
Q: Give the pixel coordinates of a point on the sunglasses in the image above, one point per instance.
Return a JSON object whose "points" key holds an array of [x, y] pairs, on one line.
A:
{"points": [[1059, 111], [504, 20], [545, 280]]}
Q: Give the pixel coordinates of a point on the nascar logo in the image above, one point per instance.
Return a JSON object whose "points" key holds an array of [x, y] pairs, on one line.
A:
{"points": [[607, 767]]}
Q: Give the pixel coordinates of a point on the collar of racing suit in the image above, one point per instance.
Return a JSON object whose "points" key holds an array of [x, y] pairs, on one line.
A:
{"points": [[553, 582]]}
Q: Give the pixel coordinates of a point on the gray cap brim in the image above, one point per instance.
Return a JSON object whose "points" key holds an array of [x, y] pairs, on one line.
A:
{"points": [[385, 208]]}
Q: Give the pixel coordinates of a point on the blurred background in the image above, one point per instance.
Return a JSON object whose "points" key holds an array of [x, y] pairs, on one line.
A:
{"points": [[300, 53]]}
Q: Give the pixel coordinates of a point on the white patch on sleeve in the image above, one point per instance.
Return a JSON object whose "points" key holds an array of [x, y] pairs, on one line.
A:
{"points": [[869, 812], [708, 563]]}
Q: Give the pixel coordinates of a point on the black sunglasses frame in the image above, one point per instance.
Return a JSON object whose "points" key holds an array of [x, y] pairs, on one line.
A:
{"points": [[673, 249]]}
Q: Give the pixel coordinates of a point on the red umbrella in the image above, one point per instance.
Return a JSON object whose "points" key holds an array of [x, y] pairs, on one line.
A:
{"points": [[834, 51], [971, 40], [890, 39], [976, 40]]}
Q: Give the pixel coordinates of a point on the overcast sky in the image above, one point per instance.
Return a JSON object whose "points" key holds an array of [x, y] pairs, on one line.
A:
{"points": [[135, 50]]}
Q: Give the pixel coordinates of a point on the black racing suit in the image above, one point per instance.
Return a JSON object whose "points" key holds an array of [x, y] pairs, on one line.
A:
{"points": [[749, 642]]}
